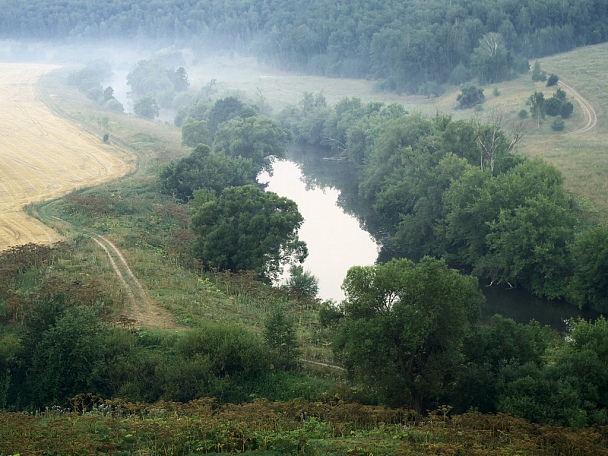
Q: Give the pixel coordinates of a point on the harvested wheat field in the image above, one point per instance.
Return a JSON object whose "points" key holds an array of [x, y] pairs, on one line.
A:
{"points": [[42, 156]]}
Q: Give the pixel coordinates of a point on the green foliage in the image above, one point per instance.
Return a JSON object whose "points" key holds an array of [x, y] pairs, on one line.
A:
{"points": [[569, 390], [67, 359], [257, 138], [470, 96], [280, 336], [527, 223], [589, 284], [203, 169], [149, 77], [553, 106], [194, 132], [491, 350], [304, 283], [490, 61], [197, 111], [114, 105], [180, 80], [146, 107], [403, 328], [266, 428], [537, 74], [552, 80], [224, 110], [558, 124], [537, 106], [246, 228], [557, 105], [566, 109]]}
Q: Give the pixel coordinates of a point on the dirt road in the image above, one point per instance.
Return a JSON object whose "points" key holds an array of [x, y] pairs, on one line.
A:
{"points": [[587, 108], [42, 156]]}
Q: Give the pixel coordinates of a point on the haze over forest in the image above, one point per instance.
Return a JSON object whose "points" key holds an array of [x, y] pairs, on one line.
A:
{"points": [[404, 45]]}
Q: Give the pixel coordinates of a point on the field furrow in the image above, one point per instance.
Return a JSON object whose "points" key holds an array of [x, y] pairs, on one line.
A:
{"points": [[42, 156]]}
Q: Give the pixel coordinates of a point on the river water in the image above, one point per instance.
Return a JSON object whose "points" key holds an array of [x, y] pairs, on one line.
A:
{"points": [[337, 238], [334, 239]]}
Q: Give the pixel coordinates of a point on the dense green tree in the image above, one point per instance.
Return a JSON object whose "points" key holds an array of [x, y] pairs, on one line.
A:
{"points": [[537, 106], [552, 80], [470, 96], [403, 328], [246, 228], [68, 359], [180, 80], [108, 93], [566, 109], [570, 390], [257, 138], [490, 61], [146, 107], [149, 77], [589, 284], [194, 132], [553, 106], [515, 227], [207, 170], [302, 282], [491, 350], [224, 110], [280, 336], [114, 105], [536, 72]]}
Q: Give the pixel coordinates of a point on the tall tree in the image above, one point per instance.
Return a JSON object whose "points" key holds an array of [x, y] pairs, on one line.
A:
{"points": [[403, 328], [248, 229], [257, 138]]}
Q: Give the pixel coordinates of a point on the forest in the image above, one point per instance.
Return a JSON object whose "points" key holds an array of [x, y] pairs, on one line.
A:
{"points": [[406, 46]]}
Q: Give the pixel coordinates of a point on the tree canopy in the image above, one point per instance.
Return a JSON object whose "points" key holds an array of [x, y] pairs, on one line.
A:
{"points": [[206, 169], [403, 328], [246, 228]]}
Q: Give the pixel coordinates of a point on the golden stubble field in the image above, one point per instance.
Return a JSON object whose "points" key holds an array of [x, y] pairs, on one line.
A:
{"points": [[42, 156]]}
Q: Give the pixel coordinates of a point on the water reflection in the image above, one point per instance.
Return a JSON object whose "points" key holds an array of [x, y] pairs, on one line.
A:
{"points": [[522, 307], [336, 231], [335, 240]]}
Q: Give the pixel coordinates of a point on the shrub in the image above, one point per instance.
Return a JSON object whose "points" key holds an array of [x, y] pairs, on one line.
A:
{"points": [[552, 80], [470, 96], [557, 124]]}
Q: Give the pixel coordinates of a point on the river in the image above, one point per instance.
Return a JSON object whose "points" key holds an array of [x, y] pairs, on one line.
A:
{"points": [[334, 239], [326, 194]]}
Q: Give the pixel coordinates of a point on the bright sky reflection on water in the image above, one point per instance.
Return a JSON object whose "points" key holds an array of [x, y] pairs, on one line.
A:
{"points": [[334, 239]]}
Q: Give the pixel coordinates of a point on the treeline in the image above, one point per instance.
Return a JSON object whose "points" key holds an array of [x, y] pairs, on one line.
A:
{"points": [[456, 190], [405, 45]]}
